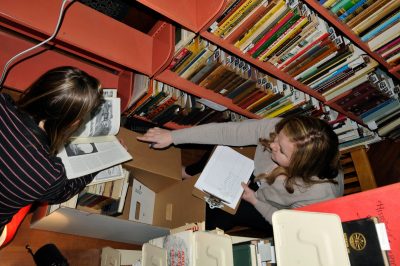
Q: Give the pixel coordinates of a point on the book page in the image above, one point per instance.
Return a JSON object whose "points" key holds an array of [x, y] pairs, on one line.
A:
{"points": [[224, 173], [81, 159], [104, 121], [109, 174]]}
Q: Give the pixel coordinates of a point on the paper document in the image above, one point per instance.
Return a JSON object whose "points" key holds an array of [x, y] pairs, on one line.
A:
{"points": [[223, 175]]}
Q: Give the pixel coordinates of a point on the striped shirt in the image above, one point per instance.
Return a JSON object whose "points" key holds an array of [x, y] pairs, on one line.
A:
{"points": [[28, 173]]}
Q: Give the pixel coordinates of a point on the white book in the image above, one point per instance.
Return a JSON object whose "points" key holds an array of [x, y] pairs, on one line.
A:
{"points": [[223, 175], [385, 37], [94, 147]]}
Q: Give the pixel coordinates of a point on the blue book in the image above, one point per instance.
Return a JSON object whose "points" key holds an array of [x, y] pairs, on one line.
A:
{"points": [[333, 74], [379, 110], [351, 10], [382, 27]]}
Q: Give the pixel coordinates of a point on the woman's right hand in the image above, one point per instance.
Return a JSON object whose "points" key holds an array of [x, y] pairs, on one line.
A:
{"points": [[159, 138]]}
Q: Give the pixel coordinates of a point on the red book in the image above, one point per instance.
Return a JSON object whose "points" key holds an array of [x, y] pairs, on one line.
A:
{"points": [[382, 202], [304, 50], [278, 25], [252, 99], [250, 21]]}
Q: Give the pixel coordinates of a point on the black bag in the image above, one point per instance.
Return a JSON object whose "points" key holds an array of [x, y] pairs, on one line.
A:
{"points": [[48, 255]]}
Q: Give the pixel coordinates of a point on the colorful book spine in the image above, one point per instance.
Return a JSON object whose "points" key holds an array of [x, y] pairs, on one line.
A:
{"points": [[280, 23], [233, 17], [385, 25], [320, 39], [385, 37], [260, 25], [289, 33], [352, 9], [343, 6], [282, 28]]}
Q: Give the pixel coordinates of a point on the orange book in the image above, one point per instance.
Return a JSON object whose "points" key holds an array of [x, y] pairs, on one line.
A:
{"points": [[310, 61], [246, 24]]}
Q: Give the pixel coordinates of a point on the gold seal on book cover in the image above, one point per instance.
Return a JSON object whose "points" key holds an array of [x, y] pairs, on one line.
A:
{"points": [[357, 241]]}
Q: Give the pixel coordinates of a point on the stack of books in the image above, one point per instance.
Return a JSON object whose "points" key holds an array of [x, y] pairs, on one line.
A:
{"points": [[106, 194]]}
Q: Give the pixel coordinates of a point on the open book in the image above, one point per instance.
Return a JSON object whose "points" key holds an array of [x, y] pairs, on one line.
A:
{"points": [[94, 146], [221, 179]]}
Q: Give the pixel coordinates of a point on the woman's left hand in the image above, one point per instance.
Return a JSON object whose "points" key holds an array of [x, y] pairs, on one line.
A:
{"points": [[249, 195]]}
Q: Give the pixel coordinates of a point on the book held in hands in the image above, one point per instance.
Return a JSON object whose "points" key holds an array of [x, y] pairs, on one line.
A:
{"points": [[94, 147]]}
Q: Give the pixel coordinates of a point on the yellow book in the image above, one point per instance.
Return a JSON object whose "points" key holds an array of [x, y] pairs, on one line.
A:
{"points": [[284, 37], [375, 17], [329, 3], [279, 111], [261, 25], [233, 17], [195, 47]]}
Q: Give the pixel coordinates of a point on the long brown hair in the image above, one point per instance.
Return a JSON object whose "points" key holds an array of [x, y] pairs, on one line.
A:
{"points": [[316, 151], [61, 98]]}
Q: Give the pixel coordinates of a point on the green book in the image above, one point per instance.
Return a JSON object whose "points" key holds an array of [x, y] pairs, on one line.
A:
{"points": [[343, 6], [244, 255], [277, 34]]}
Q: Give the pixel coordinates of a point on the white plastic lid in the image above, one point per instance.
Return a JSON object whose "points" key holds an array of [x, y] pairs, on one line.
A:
{"points": [[309, 238]]}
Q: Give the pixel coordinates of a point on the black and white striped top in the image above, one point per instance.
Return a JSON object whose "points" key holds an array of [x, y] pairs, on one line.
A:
{"points": [[27, 172]]}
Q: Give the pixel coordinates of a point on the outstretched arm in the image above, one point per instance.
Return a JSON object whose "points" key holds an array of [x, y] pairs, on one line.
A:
{"points": [[159, 138]]}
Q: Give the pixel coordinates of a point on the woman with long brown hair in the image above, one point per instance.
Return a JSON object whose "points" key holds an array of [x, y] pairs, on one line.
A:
{"points": [[296, 163], [32, 131]]}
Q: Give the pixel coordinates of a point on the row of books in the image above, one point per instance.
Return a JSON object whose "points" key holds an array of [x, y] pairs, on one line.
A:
{"points": [[376, 22], [269, 97], [167, 104], [106, 193], [314, 55], [106, 197], [247, 87]]}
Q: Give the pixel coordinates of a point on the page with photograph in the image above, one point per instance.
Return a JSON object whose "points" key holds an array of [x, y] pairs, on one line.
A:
{"points": [[85, 158], [94, 147], [105, 121]]}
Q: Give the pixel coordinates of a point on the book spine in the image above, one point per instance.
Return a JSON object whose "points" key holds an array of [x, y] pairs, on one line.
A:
{"points": [[248, 11], [280, 23], [381, 27], [385, 37], [233, 17], [296, 27], [225, 15], [305, 49], [284, 27], [343, 6], [352, 9], [258, 27]]}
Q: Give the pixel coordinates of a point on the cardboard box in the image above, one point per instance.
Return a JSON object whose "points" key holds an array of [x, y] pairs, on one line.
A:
{"points": [[160, 171]]}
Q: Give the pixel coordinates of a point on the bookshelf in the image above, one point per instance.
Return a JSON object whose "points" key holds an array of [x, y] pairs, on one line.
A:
{"points": [[344, 29], [195, 15], [227, 45], [114, 52], [99, 44], [174, 80]]}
